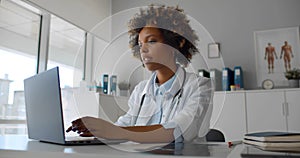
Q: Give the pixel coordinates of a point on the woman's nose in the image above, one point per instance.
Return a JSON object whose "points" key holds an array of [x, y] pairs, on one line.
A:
{"points": [[144, 48]]}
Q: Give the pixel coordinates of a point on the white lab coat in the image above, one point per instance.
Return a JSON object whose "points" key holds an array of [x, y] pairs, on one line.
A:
{"points": [[190, 117]]}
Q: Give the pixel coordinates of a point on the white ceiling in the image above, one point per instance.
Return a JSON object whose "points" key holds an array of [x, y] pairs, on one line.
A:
{"points": [[18, 20], [25, 21]]}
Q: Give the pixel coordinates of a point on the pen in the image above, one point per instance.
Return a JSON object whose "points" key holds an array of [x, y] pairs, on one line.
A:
{"points": [[232, 143]]}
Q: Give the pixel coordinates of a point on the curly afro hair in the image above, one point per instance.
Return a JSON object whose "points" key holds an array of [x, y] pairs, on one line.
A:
{"points": [[174, 26]]}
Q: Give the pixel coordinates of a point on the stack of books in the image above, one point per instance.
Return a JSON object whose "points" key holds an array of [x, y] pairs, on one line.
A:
{"points": [[274, 141]]}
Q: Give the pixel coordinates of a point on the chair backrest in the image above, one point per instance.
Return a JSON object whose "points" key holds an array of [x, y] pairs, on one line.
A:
{"points": [[215, 135]]}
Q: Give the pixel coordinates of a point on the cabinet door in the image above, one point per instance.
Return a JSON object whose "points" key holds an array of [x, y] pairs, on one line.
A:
{"points": [[229, 114], [293, 110], [265, 111]]}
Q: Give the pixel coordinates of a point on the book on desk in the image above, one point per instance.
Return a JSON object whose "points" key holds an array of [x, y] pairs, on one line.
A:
{"points": [[273, 136], [254, 152], [276, 141]]}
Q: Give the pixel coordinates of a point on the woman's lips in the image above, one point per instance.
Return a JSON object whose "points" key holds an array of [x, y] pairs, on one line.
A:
{"points": [[147, 59]]}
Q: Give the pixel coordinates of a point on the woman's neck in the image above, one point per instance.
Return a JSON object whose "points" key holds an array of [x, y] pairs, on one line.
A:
{"points": [[164, 74]]}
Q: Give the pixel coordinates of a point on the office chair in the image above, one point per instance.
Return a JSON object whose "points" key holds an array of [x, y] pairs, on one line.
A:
{"points": [[215, 135]]}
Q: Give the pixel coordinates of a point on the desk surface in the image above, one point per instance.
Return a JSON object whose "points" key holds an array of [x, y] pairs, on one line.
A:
{"points": [[21, 146]]}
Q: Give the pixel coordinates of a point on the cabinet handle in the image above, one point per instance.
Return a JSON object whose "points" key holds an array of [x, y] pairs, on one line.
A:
{"points": [[283, 109], [287, 109]]}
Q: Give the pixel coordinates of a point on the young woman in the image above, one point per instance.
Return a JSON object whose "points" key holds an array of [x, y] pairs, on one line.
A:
{"points": [[173, 104]]}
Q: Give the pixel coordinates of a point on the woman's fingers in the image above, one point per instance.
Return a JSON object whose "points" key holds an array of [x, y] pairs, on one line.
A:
{"points": [[77, 125], [69, 129], [86, 134], [87, 126]]}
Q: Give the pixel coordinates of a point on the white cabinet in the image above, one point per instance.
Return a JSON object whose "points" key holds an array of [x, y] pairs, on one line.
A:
{"points": [[273, 110], [229, 114], [239, 112], [235, 113], [293, 110], [265, 111]]}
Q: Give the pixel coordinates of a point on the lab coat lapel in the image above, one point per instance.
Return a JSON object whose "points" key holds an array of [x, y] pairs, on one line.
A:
{"points": [[148, 107], [147, 111]]}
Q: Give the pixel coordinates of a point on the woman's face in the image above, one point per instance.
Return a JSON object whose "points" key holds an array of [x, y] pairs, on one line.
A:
{"points": [[154, 53]]}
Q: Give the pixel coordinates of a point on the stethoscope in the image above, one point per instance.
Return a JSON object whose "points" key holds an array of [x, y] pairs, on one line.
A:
{"points": [[177, 96]]}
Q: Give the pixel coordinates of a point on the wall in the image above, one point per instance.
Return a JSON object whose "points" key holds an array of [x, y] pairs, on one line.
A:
{"points": [[117, 55], [232, 23]]}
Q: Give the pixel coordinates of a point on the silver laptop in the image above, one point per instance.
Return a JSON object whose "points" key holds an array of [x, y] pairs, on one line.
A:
{"points": [[44, 111]]}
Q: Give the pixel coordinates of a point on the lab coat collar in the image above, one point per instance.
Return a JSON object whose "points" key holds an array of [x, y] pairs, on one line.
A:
{"points": [[149, 89], [177, 84]]}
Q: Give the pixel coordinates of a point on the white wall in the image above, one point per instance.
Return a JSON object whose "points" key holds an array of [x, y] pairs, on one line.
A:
{"points": [[132, 69], [115, 58], [232, 23]]}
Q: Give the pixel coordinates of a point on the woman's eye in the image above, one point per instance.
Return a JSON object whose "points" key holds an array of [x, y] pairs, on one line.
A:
{"points": [[148, 42], [152, 41]]}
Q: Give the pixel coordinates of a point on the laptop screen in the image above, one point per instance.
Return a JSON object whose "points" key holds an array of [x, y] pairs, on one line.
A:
{"points": [[43, 107]]}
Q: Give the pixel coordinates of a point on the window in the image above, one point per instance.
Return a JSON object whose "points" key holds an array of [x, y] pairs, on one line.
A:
{"points": [[19, 29], [66, 50], [19, 46]]}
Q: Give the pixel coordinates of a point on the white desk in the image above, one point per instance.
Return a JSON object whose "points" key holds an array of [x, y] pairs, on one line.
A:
{"points": [[21, 146]]}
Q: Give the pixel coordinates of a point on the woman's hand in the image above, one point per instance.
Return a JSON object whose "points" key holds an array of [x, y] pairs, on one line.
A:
{"points": [[91, 126], [79, 126]]}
